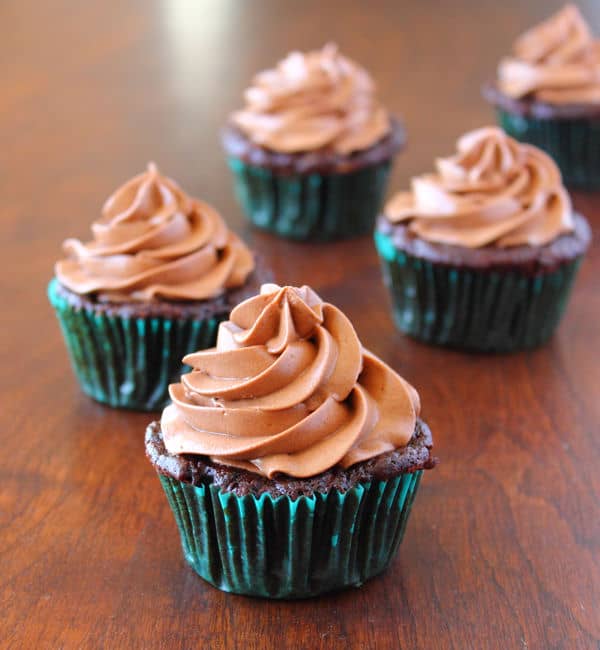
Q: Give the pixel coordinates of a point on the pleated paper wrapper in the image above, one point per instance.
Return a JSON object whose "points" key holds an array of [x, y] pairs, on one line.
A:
{"points": [[316, 207], [479, 310], [129, 362], [279, 547]]}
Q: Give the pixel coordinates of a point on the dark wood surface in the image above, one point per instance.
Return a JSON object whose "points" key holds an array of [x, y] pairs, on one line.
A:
{"points": [[503, 548]]}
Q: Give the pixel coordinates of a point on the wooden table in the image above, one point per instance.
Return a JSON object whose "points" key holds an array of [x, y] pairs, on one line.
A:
{"points": [[503, 548]]}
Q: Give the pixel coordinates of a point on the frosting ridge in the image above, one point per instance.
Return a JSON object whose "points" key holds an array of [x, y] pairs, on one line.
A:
{"points": [[288, 389], [319, 99], [494, 191], [154, 241], [557, 61]]}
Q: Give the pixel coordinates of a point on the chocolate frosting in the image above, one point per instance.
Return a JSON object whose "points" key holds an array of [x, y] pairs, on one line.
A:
{"points": [[556, 62], [313, 101], [494, 191], [153, 241], [288, 389]]}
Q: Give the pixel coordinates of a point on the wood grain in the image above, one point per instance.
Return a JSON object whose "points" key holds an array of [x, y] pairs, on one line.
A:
{"points": [[503, 549]]}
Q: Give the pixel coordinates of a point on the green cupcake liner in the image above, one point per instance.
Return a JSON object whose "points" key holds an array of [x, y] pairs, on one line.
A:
{"points": [[487, 311], [128, 362], [318, 207], [573, 143], [278, 547]]}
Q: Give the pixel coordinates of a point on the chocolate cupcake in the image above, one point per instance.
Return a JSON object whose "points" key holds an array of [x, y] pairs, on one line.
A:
{"points": [[312, 149], [161, 273], [482, 254], [548, 94], [290, 455]]}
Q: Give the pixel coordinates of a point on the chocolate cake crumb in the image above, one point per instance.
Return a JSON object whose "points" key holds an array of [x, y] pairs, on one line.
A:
{"points": [[531, 260], [184, 309], [200, 470], [531, 107], [322, 161]]}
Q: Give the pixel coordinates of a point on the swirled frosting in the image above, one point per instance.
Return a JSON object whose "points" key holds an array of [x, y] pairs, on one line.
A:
{"points": [[312, 101], [153, 241], [288, 389], [557, 62], [494, 191]]}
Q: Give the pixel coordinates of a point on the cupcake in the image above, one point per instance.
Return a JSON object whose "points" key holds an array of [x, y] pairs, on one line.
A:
{"points": [[548, 94], [312, 149], [290, 455], [482, 253], [162, 271]]}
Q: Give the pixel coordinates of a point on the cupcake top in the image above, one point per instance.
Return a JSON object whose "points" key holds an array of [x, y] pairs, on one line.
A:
{"points": [[557, 62], [153, 241], [494, 191], [317, 100], [288, 389]]}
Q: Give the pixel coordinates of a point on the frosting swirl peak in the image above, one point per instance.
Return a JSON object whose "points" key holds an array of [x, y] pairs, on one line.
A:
{"points": [[153, 241], [288, 389], [557, 62], [311, 101], [493, 191]]}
